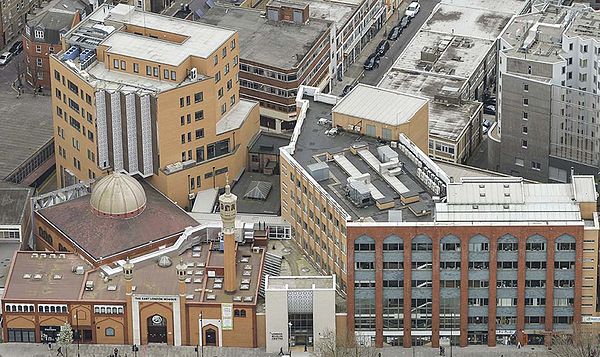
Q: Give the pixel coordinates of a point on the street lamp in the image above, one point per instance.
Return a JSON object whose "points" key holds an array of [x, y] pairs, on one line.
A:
{"points": [[290, 338], [78, 331]]}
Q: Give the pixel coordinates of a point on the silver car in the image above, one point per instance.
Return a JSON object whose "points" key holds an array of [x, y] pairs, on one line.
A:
{"points": [[5, 58]]}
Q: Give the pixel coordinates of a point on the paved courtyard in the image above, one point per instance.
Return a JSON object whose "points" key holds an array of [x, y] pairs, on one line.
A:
{"points": [[39, 350]]}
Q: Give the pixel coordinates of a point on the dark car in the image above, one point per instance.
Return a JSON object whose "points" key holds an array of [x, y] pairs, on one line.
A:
{"points": [[404, 21], [347, 89], [395, 33], [16, 48], [372, 62], [489, 109], [382, 48]]}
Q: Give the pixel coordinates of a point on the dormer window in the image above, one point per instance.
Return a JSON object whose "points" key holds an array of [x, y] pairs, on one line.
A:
{"points": [[39, 34]]}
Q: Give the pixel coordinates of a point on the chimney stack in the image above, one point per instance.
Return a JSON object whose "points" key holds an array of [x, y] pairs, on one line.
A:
{"points": [[227, 206]]}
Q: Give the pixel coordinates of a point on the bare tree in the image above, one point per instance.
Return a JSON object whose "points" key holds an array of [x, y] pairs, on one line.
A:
{"points": [[343, 346], [583, 343]]}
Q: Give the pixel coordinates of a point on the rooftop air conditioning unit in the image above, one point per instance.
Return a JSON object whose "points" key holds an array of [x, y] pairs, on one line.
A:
{"points": [[89, 285]]}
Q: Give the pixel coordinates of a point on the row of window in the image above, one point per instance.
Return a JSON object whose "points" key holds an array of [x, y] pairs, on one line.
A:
{"points": [[455, 247], [473, 265]]}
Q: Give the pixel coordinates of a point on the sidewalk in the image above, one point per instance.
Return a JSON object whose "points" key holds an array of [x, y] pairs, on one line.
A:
{"points": [[39, 350], [356, 71]]}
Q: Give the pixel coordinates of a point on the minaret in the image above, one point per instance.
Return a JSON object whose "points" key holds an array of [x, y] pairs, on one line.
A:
{"points": [[181, 269], [128, 276], [228, 212]]}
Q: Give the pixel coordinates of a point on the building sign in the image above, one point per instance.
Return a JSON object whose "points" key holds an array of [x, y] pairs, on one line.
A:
{"points": [[227, 316], [143, 298], [276, 336], [505, 332], [590, 319]]}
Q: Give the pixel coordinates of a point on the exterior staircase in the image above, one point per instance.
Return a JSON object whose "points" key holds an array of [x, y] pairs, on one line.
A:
{"points": [[272, 267]]}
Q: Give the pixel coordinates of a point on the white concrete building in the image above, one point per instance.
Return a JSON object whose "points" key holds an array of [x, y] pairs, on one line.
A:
{"points": [[299, 310]]}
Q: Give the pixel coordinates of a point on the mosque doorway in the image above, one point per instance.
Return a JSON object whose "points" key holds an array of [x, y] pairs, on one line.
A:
{"points": [[157, 329]]}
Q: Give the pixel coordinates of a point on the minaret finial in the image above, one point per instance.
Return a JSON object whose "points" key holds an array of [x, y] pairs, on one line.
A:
{"points": [[227, 187]]}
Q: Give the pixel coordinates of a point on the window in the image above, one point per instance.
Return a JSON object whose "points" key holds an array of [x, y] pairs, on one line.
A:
{"points": [[524, 144], [220, 93], [116, 63], [232, 44], [224, 52], [223, 108], [173, 75], [528, 69], [56, 75], [39, 34], [51, 49], [525, 115], [109, 331], [199, 133], [155, 71], [187, 100], [215, 60], [386, 133], [38, 48], [148, 70], [232, 100], [226, 69], [536, 166], [217, 77], [181, 102], [199, 115], [525, 87], [525, 101], [524, 130], [519, 161], [200, 156], [198, 97], [235, 60], [123, 65], [38, 62], [136, 68], [229, 84], [165, 73]]}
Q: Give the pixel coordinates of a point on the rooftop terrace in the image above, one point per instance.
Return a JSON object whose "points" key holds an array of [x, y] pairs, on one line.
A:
{"points": [[279, 44], [313, 145], [585, 25]]}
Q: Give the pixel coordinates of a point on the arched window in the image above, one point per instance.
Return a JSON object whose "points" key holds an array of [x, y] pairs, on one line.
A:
{"points": [[364, 244], [64, 309], [109, 331], [236, 312], [393, 243], [242, 313], [20, 308], [421, 243]]}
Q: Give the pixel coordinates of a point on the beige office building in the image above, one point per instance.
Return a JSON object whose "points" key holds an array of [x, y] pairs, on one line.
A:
{"points": [[151, 95]]}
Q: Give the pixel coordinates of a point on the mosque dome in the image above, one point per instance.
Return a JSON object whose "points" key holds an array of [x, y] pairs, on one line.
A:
{"points": [[118, 195]]}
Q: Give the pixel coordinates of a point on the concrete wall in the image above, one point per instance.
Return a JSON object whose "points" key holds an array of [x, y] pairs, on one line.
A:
{"points": [[276, 307], [324, 319], [537, 126]]}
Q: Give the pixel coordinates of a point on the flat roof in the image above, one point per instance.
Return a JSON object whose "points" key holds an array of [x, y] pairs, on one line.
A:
{"points": [[14, 201], [271, 205], [268, 143], [445, 121], [511, 199], [586, 24], [312, 144], [236, 116], [117, 235], [483, 19], [151, 279], [202, 40], [278, 44], [459, 56], [335, 11], [7, 252], [23, 284], [300, 282], [25, 130], [379, 105]]}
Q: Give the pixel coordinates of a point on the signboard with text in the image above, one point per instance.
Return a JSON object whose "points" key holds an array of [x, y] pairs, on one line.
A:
{"points": [[227, 316]]}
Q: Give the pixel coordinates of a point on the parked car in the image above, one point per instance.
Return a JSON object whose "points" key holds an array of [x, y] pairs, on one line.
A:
{"points": [[16, 48], [347, 89], [372, 62], [489, 109], [382, 48], [412, 9], [394, 33], [404, 21], [5, 58]]}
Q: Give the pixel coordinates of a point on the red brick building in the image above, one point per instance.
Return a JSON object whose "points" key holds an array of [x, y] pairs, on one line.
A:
{"points": [[42, 37]]}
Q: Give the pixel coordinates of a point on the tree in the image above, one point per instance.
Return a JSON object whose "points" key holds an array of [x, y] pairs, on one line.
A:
{"points": [[343, 346], [583, 343], [65, 337]]}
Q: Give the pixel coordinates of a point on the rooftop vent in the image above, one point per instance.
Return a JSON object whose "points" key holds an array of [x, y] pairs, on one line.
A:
{"points": [[211, 297], [79, 269], [37, 277], [26, 276], [164, 261], [481, 194], [35, 255], [61, 256], [89, 285], [57, 277], [112, 288]]}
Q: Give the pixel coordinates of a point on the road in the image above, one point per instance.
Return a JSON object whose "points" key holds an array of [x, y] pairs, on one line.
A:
{"points": [[396, 47]]}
